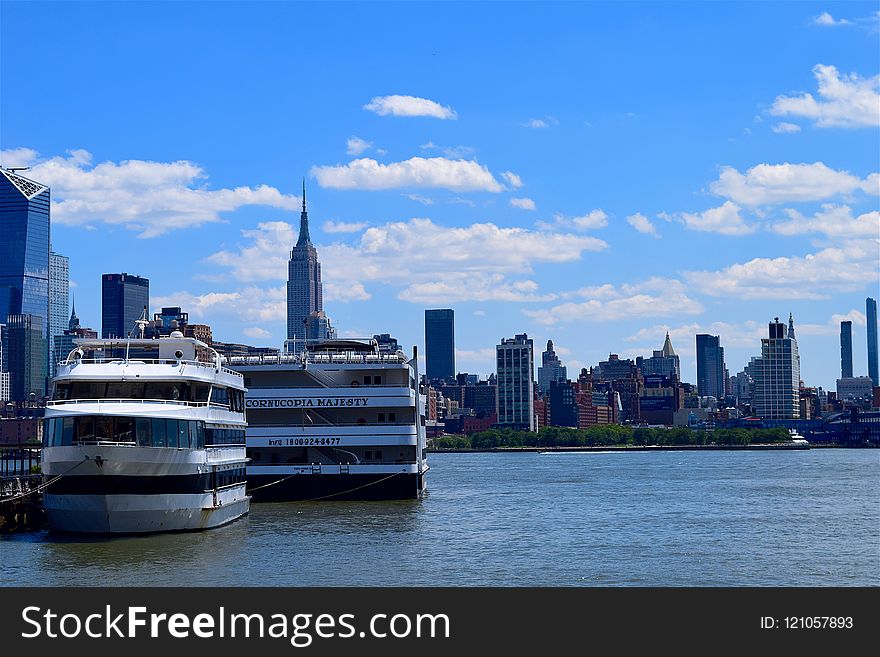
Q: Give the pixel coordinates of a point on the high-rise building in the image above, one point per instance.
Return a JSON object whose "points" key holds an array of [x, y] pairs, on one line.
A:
{"points": [[64, 342], [304, 290], [776, 375], [846, 363], [710, 366], [515, 367], [551, 369], [562, 402], [4, 373], [318, 327], [24, 260], [624, 378], [871, 314], [59, 300], [123, 300], [387, 344], [440, 344], [664, 362], [27, 357]]}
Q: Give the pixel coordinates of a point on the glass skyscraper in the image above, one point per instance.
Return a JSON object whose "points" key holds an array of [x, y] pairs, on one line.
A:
{"points": [[123, 299], [871, 308], [440, 344], [59, 301], [710, 366], [304, 291], [846, 363], [24, 279]]}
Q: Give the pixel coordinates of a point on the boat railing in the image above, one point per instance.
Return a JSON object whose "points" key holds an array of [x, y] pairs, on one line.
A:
{"points": [[149, 361], [339, 384], [311, 425], [318, 359], [175, 402]]}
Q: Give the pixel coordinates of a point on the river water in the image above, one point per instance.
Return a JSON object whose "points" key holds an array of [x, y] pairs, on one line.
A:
{"points": [[670, 518]]}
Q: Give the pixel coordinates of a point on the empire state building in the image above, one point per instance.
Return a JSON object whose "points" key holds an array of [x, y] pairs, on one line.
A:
{"points": [[305, 303]]}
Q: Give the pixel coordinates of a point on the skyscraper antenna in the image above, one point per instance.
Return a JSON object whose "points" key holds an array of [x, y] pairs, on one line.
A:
{"points": [[304, 193]]}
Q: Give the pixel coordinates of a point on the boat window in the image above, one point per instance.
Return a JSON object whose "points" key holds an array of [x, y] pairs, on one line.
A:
{"points": [[103, 428], [368, 455], [377, 380], [56, 432], [219, 396], [67, 431], [200, 392], [123, 430], [143, 430], [171, 433], [392, 417], [183, 434], [368, 380], [378, 454], [200, 429], [85, 430], [381, 417], [62, 391], [193, 434], [159, 432]]}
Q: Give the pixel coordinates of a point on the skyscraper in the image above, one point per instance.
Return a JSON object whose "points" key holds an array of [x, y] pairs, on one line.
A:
{"points": [[776, 375], [440, 344], [515, 367], [710, 366], [664, 362], [123, 299], [871, 314], [24, 270], [59, 301], [551, 369], [846, 368], [28, 353], [304, 290]]}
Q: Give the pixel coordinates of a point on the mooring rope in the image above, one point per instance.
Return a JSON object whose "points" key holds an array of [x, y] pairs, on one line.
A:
{"points": [[45, 485]]}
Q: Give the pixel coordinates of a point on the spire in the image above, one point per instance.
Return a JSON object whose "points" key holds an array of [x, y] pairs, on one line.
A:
{"points": [[791, 326], [668, 351], [74, 320], [304, 222]]}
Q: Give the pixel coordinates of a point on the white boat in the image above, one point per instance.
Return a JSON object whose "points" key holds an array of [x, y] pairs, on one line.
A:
{"points": [[144, 436], [796, 440], [340, 420]]}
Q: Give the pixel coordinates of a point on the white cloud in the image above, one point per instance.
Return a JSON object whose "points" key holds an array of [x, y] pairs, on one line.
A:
{"points": [[256, 332], [846, 101], [452, 152], [827, 20], [480, 313], [832, 221], [424, 200], [512, 179], [481, 261], [368, 174], [409, 106], [725, 219], [540, 124], [783, 183], [592, 220], [785, 128], [151, 198], [847, 267], [642, 224], [344, 227], [250, 304], [355, 145], [654, 297], [523, 203]]}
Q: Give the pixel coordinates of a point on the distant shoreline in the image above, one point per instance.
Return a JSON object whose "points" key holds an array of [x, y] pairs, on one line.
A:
{"points": [[645, 448]]}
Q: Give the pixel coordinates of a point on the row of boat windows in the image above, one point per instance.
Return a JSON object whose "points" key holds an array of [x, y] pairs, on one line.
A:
{"points": [[142, 431], [165, 390], [230, 477]]}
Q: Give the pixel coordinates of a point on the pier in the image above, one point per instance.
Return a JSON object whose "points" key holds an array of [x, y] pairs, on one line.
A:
{"points": [[21, 503]]}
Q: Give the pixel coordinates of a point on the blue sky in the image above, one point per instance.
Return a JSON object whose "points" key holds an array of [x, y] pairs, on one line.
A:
{"points": [[595, 174]]}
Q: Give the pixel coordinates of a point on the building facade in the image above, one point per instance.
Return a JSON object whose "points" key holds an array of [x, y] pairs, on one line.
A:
{"points": [[59, 300], [776, 375], [664, 362], [304, 288], [440, 344], [551, 369], [871, 315], [515, 366], [846, 360], [123, 300], [27, 358], [710, 366]]}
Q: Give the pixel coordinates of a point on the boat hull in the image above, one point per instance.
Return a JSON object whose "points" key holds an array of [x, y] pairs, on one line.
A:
{"points": [[303, 487], [142, 514]]}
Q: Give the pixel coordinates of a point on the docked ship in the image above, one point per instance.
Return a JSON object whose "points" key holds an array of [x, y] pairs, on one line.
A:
{"points": [[335, 420], [144, 436]]}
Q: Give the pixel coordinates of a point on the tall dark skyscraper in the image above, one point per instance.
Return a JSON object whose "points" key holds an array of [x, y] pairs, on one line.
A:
{"points": [[846, 369], [440, 344], [710, 366], [871, 313], [59, 301], [304, 290], [123, 299], [24, 279]]}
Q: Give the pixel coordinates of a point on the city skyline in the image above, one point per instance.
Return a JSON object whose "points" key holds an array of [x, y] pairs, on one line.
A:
{"points": [[605, 207]]}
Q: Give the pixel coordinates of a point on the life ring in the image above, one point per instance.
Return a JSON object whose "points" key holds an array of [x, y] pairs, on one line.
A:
{"points": [[355, 384]]}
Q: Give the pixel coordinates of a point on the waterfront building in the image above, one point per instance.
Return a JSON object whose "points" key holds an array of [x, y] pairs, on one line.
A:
{"points": [[664, 362], [27, 357], [776, 375], [562, 402], [710, 366], [124, 298], [551, 369], [515, 366], [660, 398], [440, 344], [855, 390], [846, 360], [625, 379], [59, 300], [871, 315], [318, 327], [304, 289], [24, 265]]}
